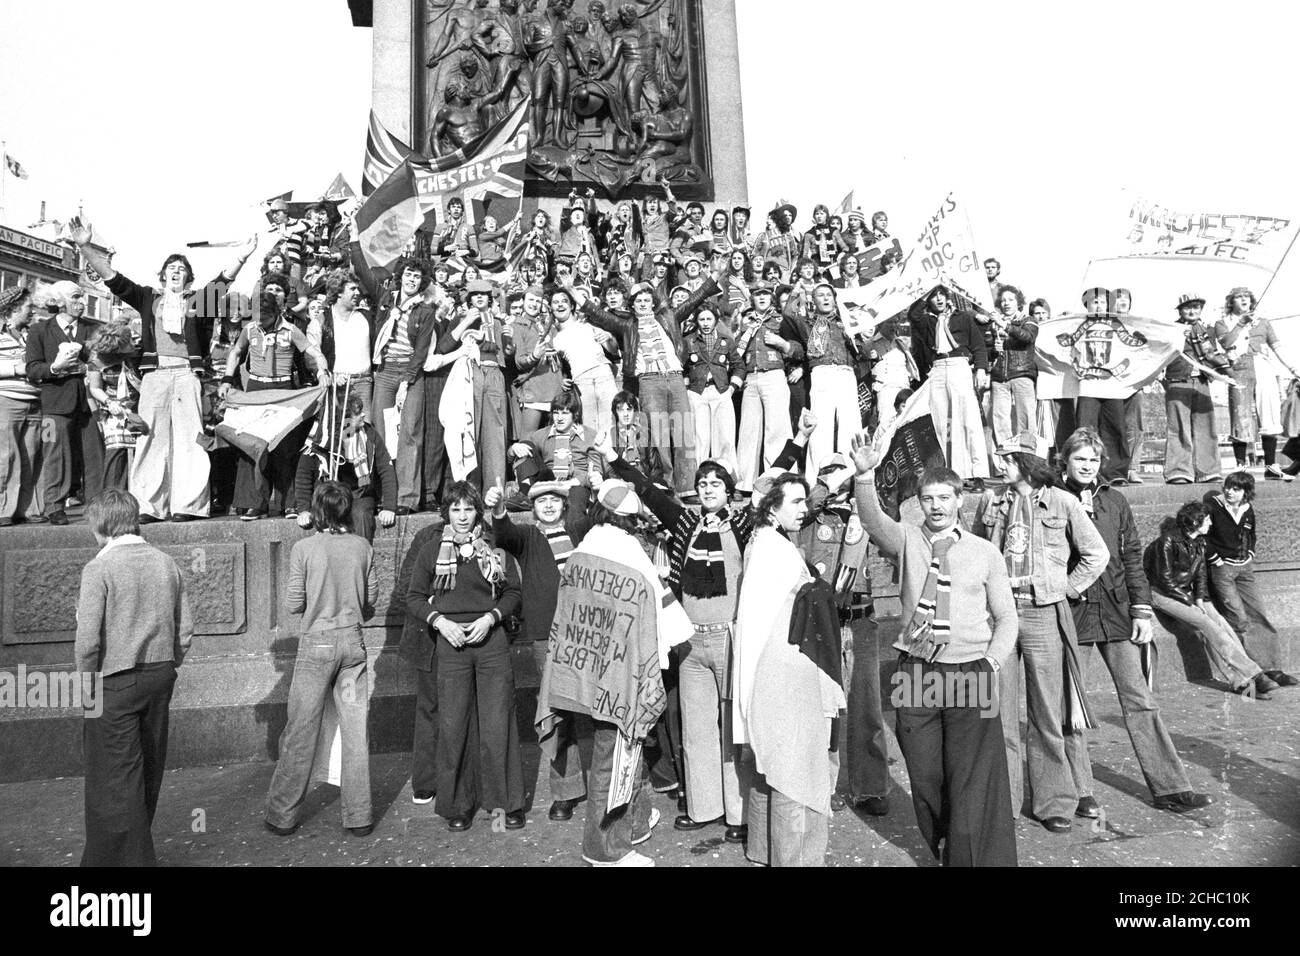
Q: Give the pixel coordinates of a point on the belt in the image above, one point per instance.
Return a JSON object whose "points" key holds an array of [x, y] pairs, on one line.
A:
{"points": [[717, 628], [263, 378], [856, 614], [659, 374]]}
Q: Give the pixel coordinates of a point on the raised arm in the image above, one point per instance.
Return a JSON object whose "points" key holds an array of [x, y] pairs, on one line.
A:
{"points": [[883, 530]]}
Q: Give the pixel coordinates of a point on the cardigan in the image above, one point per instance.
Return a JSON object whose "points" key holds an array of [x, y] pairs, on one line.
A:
{"points": [[202, 308], [132, 609]]}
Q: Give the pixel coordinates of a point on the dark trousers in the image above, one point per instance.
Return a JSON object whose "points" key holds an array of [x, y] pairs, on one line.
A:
{"points": [[864, 764], [74, 448], [117, 464], [663, 748], [568, 776], [126, 753], [222, 483], [607, 837], [477, 681], [424, 743], [957, 762], [1107, 416]]}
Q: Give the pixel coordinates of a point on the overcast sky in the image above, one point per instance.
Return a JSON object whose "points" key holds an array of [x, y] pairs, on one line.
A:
{"points": [[170, 121]]}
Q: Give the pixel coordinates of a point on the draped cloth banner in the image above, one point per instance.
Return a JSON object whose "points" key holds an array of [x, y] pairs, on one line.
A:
{"points": [[943, 253], [256, 422], [1103, 355]]}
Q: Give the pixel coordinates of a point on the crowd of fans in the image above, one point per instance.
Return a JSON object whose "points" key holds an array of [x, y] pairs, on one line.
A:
{"points": [[669, 374]]}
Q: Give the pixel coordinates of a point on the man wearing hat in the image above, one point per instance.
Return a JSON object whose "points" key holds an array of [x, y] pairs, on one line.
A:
{"points": [[739, 229], [651, 343], [481, 326], [831, 353], [779, 243], [542, 548], [1053, 553], [660, 279], [764, 340], [614, 625], [1191, 442]]}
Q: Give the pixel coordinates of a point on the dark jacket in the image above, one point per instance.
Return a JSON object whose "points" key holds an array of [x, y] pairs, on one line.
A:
{"points": [[716, 366], [1122, 591], [1228, 538], [382, 474], [60, 394], [1175, 566], [426, 330], [623, 326], [967, 336], [203, 307], [1016, 360], [538, 571]]}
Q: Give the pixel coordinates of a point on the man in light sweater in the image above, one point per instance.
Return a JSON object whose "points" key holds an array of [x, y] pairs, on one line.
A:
{"points": [[953, 746], [133, 630]]}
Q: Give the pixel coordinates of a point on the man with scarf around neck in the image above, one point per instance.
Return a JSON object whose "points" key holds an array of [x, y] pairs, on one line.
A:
{"points": [[1053, 553], [542, 548], [614, 626], [1114, 615], [947, 343], [361, 462], [481, 325], [823, 243], [562, 449], [785, 698], [704, 563], [764, 340], [268, 347], [831, 353], [955, 755], [779, 243], [170, 471], [651, 342], [462, 589]]}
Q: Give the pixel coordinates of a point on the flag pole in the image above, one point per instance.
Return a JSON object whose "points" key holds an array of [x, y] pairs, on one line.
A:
{"points": [[1277, 270], [4, 157]]}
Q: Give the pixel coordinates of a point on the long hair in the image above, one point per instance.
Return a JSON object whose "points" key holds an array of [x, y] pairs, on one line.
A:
{"points": [[459, 491], [1243, 480], [1084, 437], [189, 269], [1230, 309], [775, 497], [602, 515], [1036, 470], [331, 507], [1190, 516], [746, 271]]}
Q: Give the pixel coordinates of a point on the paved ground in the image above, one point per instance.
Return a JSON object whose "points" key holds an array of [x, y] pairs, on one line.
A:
{"points": [[1243, 753]]}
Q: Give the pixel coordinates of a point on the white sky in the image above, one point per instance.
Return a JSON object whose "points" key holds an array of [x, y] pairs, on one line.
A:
{"points": [[1038, 116]]}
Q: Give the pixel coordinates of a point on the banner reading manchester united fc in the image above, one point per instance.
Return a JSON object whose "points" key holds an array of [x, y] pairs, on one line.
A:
{"points": [[1103, 355]]}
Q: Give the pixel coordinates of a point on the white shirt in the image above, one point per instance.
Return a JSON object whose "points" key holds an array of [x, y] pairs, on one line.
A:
{"points": [[351, 344], [576, 341]]}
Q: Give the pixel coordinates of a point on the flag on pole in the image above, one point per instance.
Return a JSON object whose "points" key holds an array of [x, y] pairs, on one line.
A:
{"points": [[846, 205], [15, 167], [388, 219], [384, 152], [338, 190], [908, 445]]}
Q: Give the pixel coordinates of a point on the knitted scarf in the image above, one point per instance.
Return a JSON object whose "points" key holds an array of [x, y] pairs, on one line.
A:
{"points": [[930, 629], [558, 538], [456, 548], [704, 573]]}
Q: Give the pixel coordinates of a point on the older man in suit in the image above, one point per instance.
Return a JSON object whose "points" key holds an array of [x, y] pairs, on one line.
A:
{"points": [[57, 351]]}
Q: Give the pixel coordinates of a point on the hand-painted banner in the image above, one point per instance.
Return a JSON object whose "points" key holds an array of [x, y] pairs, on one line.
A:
{"points": [[1156, 230], [909, 445], [944, 253]]}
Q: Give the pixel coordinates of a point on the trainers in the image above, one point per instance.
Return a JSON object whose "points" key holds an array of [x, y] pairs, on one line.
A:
{"points": [[422, 797], [1274, 473], [1134, 478], [633, 858], [1182, 801], [654, 822]]}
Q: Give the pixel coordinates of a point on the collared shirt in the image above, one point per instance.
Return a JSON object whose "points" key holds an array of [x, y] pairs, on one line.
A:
{"points": [[270, 354], [120, 540], [13, 366], [351, 344]]}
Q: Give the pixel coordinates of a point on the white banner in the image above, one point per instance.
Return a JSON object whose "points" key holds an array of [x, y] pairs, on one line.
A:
{"points": [[1156, 230], [943, 253], [1103, 355]]}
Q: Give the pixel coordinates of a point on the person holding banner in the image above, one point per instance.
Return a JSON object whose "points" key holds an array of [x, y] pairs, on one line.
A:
{"points": [[1255, 407], [1013, 369], [1114, 615], [1041, 531], [269, 347], [946, 344], [1191, 443]]}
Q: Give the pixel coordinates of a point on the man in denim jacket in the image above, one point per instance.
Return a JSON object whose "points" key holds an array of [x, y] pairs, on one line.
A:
{"points": [[1038, 526]]}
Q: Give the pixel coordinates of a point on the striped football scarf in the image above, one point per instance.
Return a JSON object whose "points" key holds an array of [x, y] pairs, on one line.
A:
{"points": [[931, 627], [455, 548], [561, 544], [704, 573]]}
